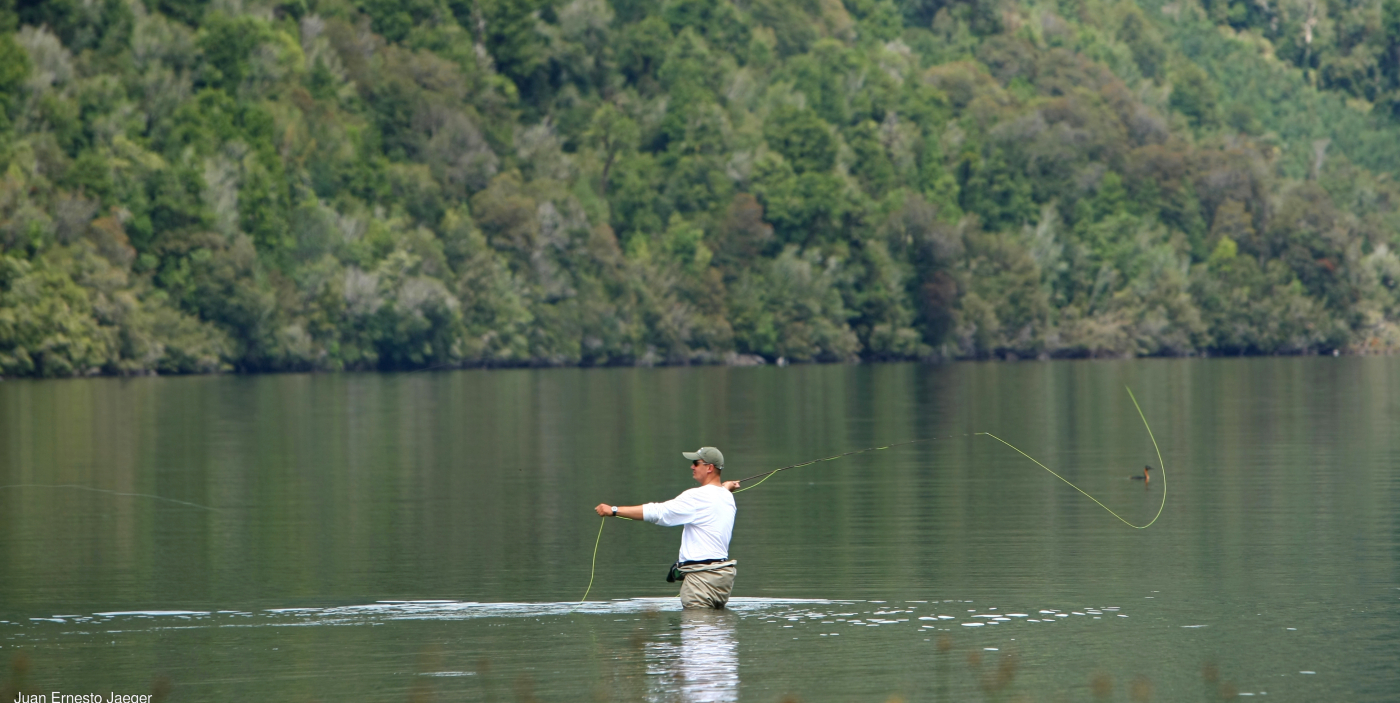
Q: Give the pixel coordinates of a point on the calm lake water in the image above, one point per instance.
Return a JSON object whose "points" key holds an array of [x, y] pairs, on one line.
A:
{"points": [[427, 536]]}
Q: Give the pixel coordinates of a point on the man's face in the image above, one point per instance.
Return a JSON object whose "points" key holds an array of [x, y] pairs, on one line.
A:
{"points": [[699, 470]]}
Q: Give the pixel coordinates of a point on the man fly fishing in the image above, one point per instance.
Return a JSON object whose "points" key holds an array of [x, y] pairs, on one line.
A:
{"points": [[704, 569]]}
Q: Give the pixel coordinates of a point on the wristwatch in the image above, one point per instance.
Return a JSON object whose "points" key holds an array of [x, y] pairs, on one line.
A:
{"points": [[614, 511]]}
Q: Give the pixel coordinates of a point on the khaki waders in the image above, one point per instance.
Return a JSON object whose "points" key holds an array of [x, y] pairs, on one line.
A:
{"points": [[707, 585]]}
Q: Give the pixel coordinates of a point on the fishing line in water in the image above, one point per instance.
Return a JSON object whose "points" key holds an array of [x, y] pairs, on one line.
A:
{"points": [[77, 487], [1096, 500], [769, 474]]}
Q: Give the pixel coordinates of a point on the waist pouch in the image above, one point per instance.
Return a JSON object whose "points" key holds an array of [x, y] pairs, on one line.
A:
{"points": [[681, 568]]}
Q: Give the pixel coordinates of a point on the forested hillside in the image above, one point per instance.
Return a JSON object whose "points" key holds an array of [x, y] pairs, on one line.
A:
{"points": [[197, 185]]}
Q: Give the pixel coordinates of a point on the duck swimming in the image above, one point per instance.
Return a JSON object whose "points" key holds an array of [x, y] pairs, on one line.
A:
{"points": [[1144, 477]]}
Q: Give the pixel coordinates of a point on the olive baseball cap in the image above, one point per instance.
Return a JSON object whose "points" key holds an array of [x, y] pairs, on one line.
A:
{"points": [[709, 455]]}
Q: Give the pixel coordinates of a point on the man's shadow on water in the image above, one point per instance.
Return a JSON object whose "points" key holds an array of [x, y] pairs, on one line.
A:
{"points": [[701, 665]]}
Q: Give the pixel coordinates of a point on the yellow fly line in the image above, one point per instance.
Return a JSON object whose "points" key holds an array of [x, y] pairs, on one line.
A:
{"points": [[767, 475], [596, 542], [1096, 500]]}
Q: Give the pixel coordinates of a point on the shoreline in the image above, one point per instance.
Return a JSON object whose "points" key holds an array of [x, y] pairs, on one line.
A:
{"points": [[730, 361]]}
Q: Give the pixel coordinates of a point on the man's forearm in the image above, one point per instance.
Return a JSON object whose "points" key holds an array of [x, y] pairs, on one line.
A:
{"points": [[628, 511], [633, 512]]}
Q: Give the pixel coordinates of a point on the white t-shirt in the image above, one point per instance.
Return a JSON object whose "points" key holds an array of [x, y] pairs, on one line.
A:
{"points": [[708, 515]]}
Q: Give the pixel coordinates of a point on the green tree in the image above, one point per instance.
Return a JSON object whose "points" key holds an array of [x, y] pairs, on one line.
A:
{"points": [[611, 132], [802, 138], [14, 67], [227, 43], [1193, 95]]}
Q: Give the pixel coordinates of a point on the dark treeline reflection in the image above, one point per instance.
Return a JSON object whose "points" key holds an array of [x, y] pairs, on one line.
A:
{"points": [[478, 484], [321, 490]]}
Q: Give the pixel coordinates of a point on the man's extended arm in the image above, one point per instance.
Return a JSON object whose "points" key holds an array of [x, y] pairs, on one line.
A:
{"points": [[631, 512], [635, 512]]}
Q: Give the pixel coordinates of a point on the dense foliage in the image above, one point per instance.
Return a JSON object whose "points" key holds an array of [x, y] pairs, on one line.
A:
{"points": [[195, 185]]}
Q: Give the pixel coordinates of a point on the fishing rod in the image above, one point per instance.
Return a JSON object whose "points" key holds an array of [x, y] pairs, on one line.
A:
{"points": [[77, 487], [769, 474]]}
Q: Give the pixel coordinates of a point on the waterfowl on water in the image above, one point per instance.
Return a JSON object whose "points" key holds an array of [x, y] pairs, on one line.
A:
{"points": [[1144, 476]]}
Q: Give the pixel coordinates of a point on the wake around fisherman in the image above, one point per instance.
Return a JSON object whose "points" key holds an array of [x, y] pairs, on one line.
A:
{"points": [[704, 569]]}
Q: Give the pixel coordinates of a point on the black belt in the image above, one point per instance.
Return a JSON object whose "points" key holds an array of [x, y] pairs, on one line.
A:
{"points": [[676, 574], [701, 561]]}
